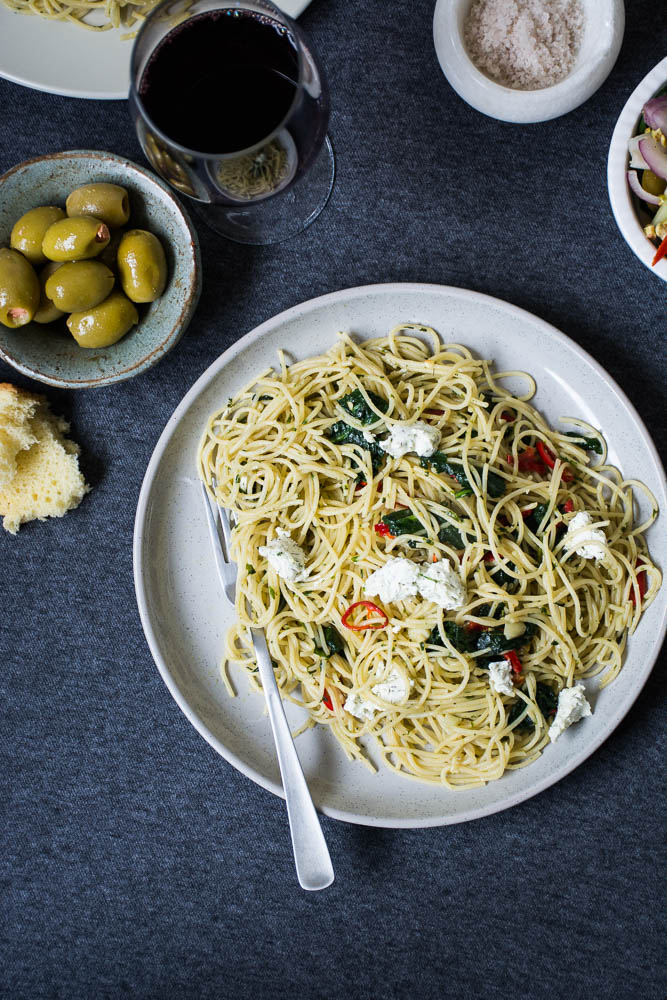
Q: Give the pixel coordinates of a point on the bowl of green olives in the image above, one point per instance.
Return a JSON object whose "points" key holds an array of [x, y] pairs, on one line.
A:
{"points": [[100, 269]]}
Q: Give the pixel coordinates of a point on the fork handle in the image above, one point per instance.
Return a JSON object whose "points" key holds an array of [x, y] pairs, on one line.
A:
{"points": [[311, 855]]}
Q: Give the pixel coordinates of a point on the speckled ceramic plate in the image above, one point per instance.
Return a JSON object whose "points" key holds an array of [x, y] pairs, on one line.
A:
{"points": [[63, 58], [183, 611], [49, 353]]}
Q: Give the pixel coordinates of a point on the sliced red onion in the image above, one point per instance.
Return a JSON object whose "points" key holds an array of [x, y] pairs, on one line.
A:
{"points": [[635, 184], [655, 113], [636, 158], [655, 155]]}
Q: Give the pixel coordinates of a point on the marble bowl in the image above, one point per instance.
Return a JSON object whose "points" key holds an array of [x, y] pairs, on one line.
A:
{"points": [[604, 23], [49, 353]]}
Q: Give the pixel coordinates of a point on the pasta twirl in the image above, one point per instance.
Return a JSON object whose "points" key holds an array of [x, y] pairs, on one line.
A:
{"points": [[300, 450]]}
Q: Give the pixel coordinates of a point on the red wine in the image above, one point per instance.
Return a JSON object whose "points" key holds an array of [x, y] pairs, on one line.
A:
{"points": [[221, 81]]}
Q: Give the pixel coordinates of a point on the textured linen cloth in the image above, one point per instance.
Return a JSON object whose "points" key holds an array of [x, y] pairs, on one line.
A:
{"points": [[137, 863]]}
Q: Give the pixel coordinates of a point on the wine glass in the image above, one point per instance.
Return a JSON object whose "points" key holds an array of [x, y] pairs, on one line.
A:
{"points": [[231, 107]]}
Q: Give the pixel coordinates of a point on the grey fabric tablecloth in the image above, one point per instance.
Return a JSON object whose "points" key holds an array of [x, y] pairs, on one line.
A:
{"points": [[137, 863]]}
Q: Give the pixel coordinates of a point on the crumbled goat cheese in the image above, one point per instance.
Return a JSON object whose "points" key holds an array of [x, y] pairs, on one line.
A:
{"points": [[368, 436], [591, 544], [394, 581], [359, 708], [404, 438], [400, 578], [286, 557], [442, 585], [572, 706], [500, 677], [395, 688]]}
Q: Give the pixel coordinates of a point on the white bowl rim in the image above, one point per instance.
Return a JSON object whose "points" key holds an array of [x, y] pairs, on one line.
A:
{"points": [[620, 196], [142, 597], [507, 103]]}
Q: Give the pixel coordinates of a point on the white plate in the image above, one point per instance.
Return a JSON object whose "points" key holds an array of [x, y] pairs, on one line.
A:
{"points": [[62, 58], [182, 609], [620, 196]]}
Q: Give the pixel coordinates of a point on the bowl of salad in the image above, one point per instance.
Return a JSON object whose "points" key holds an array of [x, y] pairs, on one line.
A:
{"points": [[637, 171]]}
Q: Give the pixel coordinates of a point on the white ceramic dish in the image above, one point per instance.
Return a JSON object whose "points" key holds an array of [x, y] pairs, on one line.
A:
{"points": [[603, 34], [620, 196], [184, 615], [62, 58]]}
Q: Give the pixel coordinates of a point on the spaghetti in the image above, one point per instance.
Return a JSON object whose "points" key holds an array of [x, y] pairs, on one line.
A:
{"points": [[300, 452], [95, 15]]}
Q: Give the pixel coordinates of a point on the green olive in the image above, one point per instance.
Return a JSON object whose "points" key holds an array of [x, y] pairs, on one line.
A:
{"points": [[47, 311], [105, 324], [19, 289], [142, 266], [28, 232], [75, 239], [80, 285], [651, 182], [107, 202]]}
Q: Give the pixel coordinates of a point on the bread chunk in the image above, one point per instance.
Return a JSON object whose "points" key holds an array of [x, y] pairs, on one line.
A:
{"points": [[39, 467], [17, 408]]}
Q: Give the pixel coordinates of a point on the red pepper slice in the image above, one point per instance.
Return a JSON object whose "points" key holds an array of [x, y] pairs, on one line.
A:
{"points": [[549, 459], [514, 661], [506, 415], [489, 557], [382, 529], [528, 460], [642, 583], [362, 626], [568, 506], [435, 413], [363, 483], [475, 627], [660, 253], [326, 700]]}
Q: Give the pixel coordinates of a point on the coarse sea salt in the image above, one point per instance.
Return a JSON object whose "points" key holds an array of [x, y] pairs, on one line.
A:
{"points": [[524, 44]]}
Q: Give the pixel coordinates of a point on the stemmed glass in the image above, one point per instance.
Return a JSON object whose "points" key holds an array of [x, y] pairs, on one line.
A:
{"points": [[231, 107]]}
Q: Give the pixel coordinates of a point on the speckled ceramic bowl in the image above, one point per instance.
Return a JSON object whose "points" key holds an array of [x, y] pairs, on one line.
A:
{"points": [[49, 353]]}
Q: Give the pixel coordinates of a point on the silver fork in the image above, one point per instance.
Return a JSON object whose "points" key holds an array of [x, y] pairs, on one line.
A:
{"points": [[311, 855]]}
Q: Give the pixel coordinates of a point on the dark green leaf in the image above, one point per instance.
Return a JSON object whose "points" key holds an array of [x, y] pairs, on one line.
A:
{"points": [[449, 534], [462, 639], [592, 444], [342, 433], [535, 517], [491, 641], [404, 522], [250, 570], [547, 701], [356, 406], [332, 642], [450, 467]]}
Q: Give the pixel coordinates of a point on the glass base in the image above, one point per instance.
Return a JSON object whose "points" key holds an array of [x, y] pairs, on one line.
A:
{"points": [[278, 218]]}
